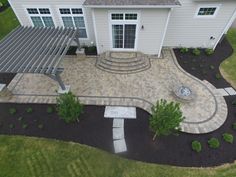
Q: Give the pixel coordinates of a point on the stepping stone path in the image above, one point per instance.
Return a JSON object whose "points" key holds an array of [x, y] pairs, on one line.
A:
{"points": [[229, 91], [118, 114]]}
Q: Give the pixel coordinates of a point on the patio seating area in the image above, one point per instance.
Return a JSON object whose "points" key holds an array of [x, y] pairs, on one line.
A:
{"points": [[205, 113]]}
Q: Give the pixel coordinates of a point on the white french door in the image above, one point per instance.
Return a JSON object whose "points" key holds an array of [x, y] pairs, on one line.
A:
{"points": [[123, 36]]}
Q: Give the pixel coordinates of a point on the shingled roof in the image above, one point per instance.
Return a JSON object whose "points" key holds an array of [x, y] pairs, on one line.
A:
{"points": [[132, 3]]}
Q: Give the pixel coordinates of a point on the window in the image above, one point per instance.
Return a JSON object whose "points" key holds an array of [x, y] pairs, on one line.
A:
{"points": [[209, 11], [74, 18], [40, 17], [124, 16]]}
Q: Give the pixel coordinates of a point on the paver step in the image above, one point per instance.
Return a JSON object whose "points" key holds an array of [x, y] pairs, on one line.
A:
{"points": [[133, 64], [118, 61]]}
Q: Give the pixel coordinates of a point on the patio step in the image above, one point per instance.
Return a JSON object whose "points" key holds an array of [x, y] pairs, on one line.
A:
{"points": [[137, 62]]}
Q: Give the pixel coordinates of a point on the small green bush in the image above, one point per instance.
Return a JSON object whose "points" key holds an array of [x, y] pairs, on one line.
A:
{"points": [[29, 110], [218, 76], [49, 110], [209, 51], [234, 103], [69, 107], [234, 126], [196, 146], [11, 126], [214, 143], [12, 111], [40, 126], [184, 50], [20, 118], [196, 52], [24, 126], [229, 138], [212, 67]]}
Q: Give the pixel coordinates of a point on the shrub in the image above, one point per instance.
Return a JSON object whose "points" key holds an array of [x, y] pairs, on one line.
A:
{"points": [[218, 76], [11, 126], [229, 138], [184, 50], [24, 126], [165, 118], [234, 126], [209, 51], [68, 107], [196, 146], [3, 2], [20, 118], [40, 126], [49, 110], [29, 110], [12, 111], [234, 103], [196, 52], [212, 67], [214, 143]]}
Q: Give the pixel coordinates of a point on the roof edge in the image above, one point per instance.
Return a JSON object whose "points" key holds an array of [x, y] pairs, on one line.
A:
{"points": [[133, 6]]}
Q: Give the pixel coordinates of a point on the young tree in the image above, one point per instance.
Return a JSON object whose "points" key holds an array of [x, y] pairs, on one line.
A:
{"points": [[165, 118], [68, 107]]}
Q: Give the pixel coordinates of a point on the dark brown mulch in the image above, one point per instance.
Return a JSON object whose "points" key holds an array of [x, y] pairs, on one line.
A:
{"points": [[95, 130], [90, 50], [6, 78], [199, 66], [92, 129], [71, 50]]}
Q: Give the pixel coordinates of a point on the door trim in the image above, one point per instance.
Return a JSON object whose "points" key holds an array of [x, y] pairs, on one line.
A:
{"points": [[123, 22]]}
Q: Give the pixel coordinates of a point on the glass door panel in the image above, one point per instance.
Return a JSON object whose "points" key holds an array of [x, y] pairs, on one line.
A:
{"points": [[129, 38]]}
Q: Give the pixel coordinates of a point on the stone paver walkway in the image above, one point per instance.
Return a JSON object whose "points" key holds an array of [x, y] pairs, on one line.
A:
{"points": [[93, 86]]}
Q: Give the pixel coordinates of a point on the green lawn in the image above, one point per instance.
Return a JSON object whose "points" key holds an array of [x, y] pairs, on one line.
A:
{"points": [[33, 157], [228, 67], [8, 22]]}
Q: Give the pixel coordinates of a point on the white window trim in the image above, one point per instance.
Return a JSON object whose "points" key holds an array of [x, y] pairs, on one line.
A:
{"points": [[39, 15], [217, 6], [123, 22], [74, 15]]}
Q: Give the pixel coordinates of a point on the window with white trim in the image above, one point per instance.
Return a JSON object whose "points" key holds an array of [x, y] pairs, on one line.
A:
{"points": [[40, 17], [74, 18], [207, 11], [124, 16]]}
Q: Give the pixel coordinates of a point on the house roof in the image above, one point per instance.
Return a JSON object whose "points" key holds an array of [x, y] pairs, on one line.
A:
{"points": [[132, 3]]}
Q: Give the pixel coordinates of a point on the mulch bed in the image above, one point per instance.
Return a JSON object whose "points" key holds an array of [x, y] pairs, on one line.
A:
{"points": [[200, 66], [71, 50], [6, 78]]}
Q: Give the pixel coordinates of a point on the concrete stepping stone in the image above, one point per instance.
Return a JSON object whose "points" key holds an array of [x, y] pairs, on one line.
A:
{"points": [[118, 133], [230, 91], [118, 123], [120, 112], [221, 92], [120, 146]]}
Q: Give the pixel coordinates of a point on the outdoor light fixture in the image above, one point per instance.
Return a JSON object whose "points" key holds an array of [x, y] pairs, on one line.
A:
{"points": [[142, 27], [212, 38]]}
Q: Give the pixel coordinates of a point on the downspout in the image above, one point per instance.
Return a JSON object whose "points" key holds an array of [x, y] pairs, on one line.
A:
{"points": [[165, 30], [230, 22]]}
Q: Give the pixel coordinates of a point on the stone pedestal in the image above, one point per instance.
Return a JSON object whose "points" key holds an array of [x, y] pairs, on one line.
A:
{"points": [[60, 91], [80, 54]]}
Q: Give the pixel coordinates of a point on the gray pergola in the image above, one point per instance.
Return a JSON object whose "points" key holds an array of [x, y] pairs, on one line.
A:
{"points": [[36, 50]]}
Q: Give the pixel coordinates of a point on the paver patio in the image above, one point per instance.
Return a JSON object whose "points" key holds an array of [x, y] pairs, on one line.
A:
{"points": [[94, 86]]}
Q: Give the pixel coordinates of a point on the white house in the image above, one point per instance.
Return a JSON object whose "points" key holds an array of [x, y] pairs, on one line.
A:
{"points": [[134, 25]]}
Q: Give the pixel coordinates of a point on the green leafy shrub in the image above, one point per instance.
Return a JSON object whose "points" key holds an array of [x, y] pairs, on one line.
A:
{"points": [[20, 118], [12, 111], [3, 3], [69, 107], [196, 146], [165, 118], [24, 126], [218, 76], [29, 110], [184, 50], [234, 126], [49, 110], [214, 143], [196, 52], [229, 138], [211, 67], [234, 103], [40, 126], [11, 126], [209, 51]]}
